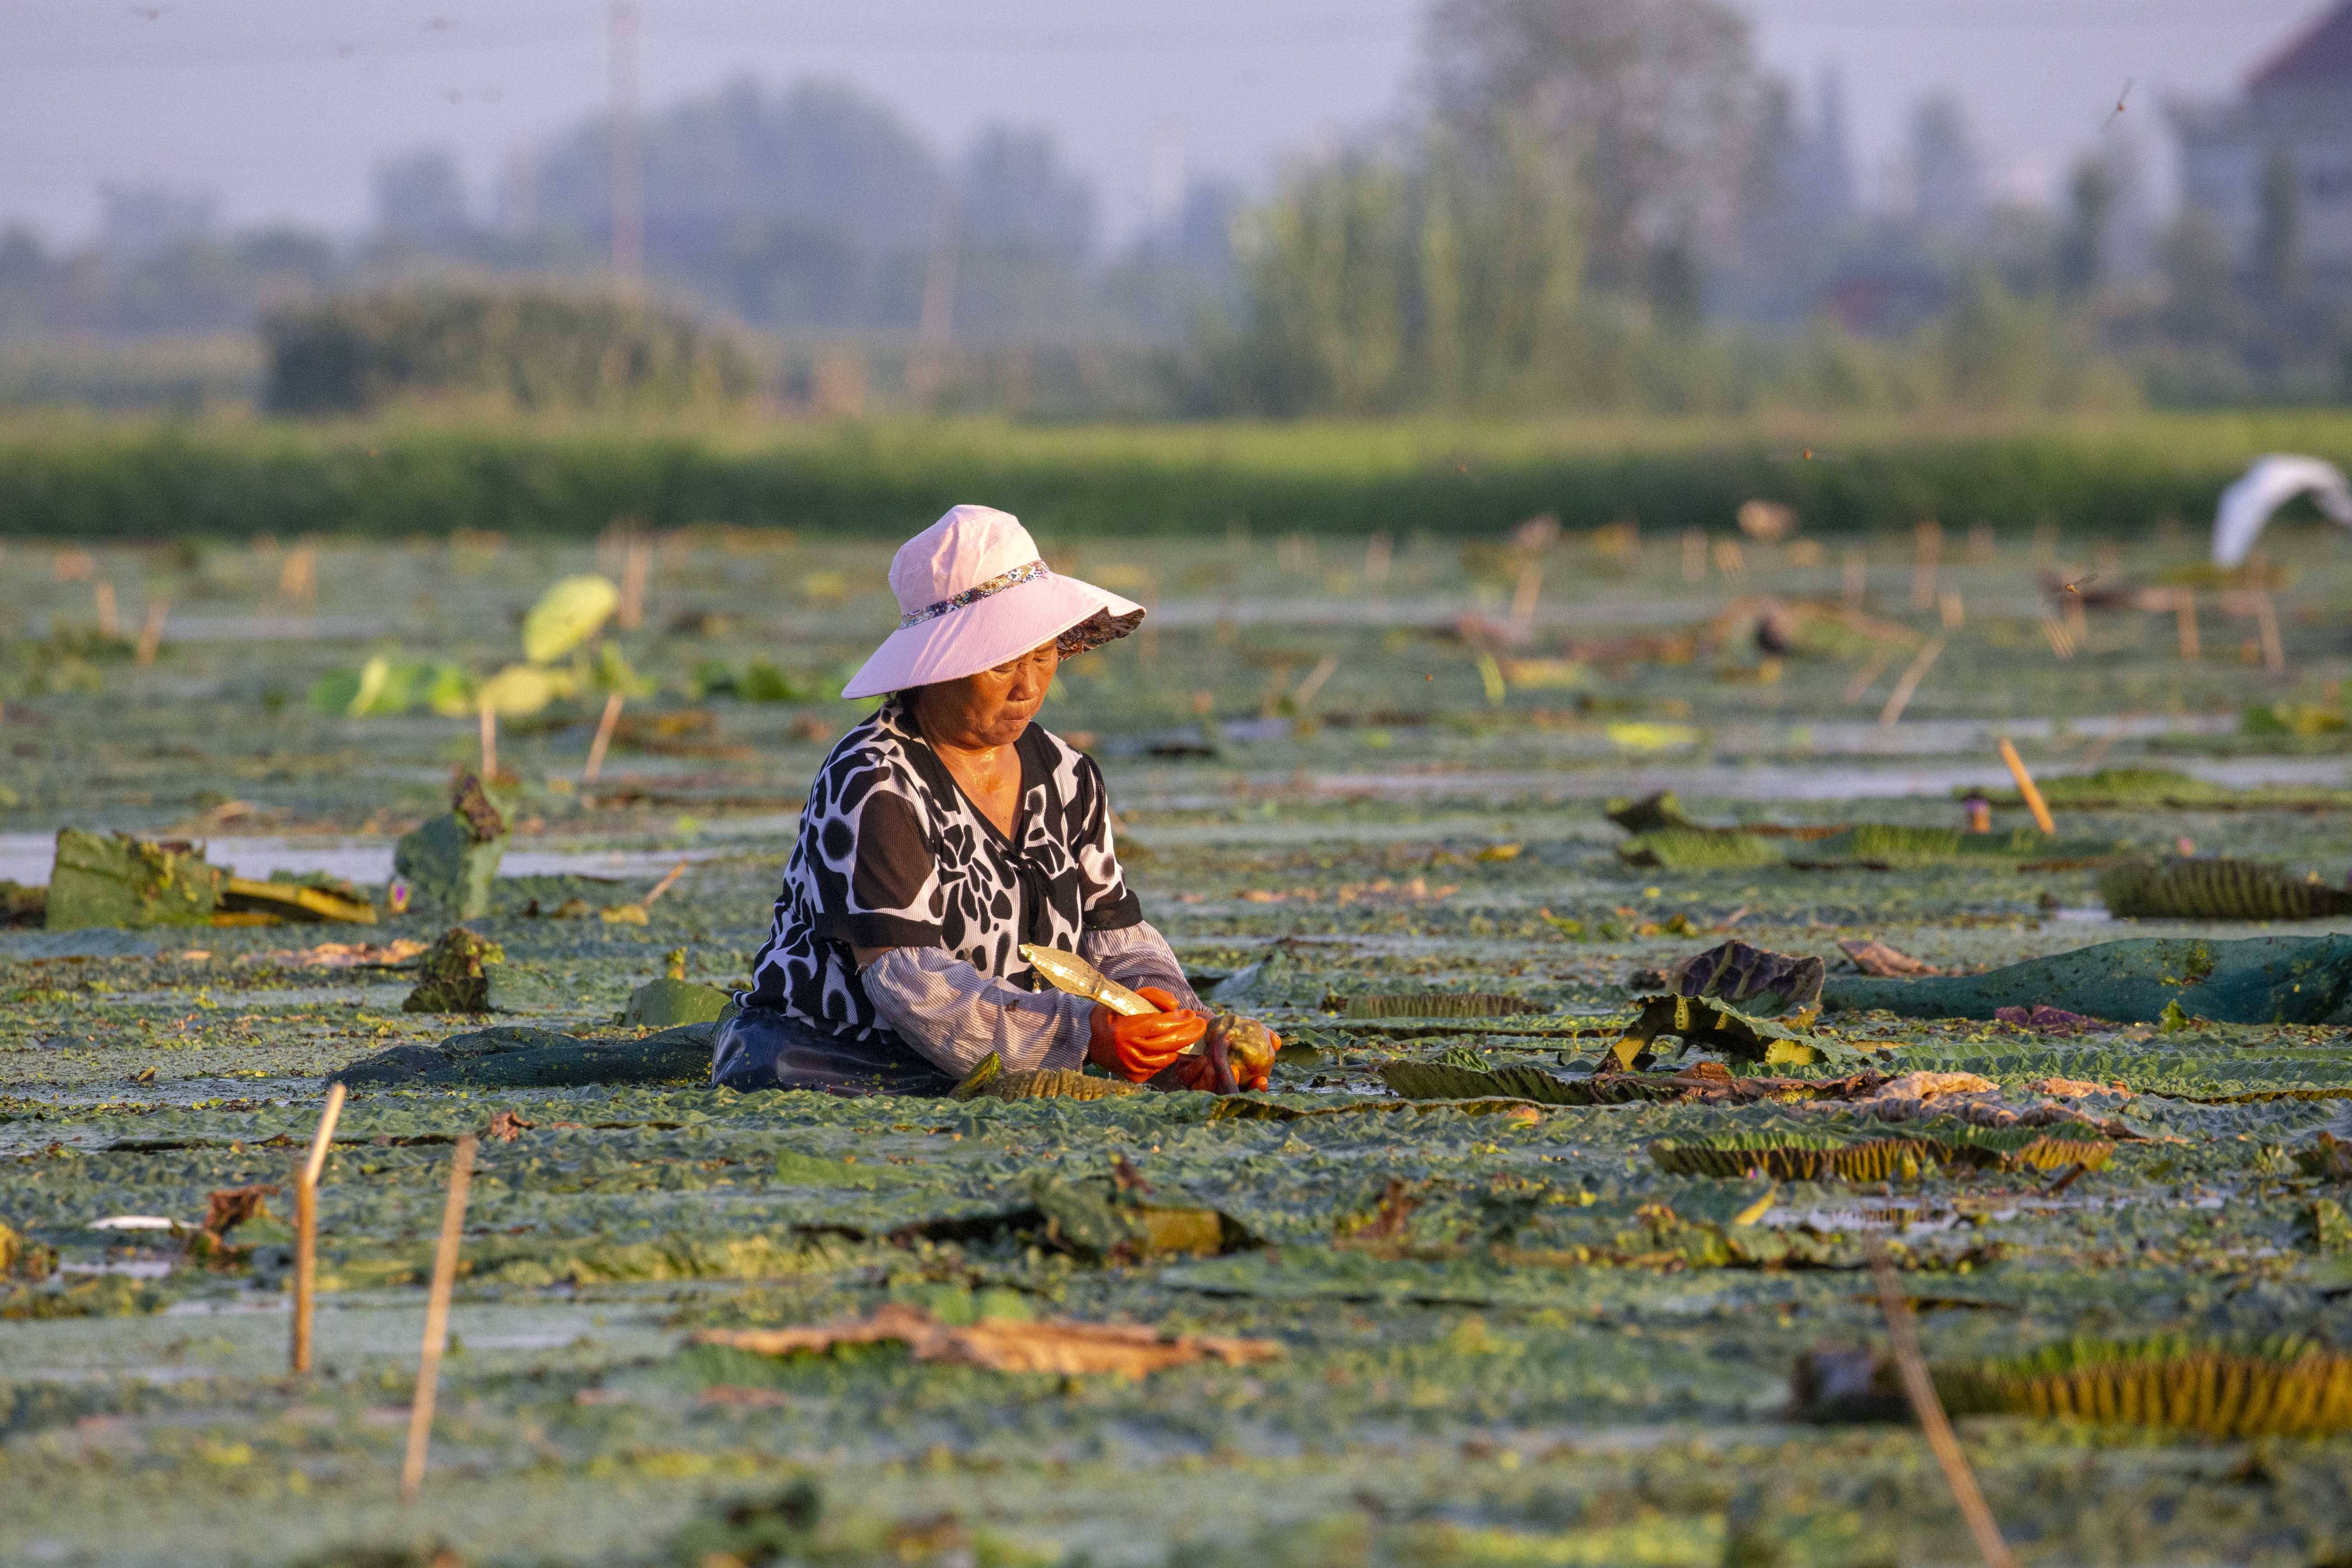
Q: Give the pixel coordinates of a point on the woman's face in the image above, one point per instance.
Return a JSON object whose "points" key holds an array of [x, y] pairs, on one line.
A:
{"points": [[990, 709]]}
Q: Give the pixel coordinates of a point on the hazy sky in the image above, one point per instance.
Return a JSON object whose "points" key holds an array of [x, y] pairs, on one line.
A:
{"points": [[281, 107]]}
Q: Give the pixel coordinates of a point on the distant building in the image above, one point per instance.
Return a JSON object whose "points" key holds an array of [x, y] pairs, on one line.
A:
{"points": [[2273, 172]]}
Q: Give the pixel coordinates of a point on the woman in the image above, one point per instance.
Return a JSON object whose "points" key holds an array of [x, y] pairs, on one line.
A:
{"points": [[941, 835]]}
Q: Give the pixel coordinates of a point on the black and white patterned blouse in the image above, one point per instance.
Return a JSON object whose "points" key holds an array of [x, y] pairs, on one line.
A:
{"points": [[893, 854]]}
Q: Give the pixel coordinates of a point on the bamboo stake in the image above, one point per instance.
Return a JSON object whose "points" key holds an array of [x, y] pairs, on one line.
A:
{"points": [[2025, 787], [1927, 551], [665, 885], [489, 717], [1912, 677], [1921, 1390], [1954, 613], [604, 728], [306, 1227], [1524, 594], [1867, 676], [436, 1321], [1310, 689], [636, 565], [2184, 613], [110, 620], [151, 633], [2266, 618]]}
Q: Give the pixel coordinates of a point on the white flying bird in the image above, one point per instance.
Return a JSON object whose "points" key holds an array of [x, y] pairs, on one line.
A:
{"points": [[2268, 485]]}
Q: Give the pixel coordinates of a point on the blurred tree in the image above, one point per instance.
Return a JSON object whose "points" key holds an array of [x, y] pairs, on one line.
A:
{"points": [[1946, 172], [1329, 266], [1678, 290], [1024, 233], [854, 190], [2199, 304], [1652, 101], [140, 221], [2278, 229], [1015, 192], [420, 200], [2092, 196], [1183, 266]]}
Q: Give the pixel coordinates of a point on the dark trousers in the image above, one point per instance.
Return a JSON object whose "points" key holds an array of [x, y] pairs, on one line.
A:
{"points": [[760, 1048]]}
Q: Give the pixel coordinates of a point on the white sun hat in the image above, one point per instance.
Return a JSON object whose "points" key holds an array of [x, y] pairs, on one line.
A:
{"points": [[974, 593]]}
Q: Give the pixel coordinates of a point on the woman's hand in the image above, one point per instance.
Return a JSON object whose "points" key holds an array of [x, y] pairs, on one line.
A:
{"points": [[1137, 1045]]}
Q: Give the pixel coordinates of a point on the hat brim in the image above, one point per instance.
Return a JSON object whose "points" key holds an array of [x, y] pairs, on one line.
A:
{"points": [[988, 632]]}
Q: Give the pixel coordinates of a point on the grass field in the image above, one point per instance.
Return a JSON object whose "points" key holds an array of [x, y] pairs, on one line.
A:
{"points": [[1505, 1334], [133, 478]]}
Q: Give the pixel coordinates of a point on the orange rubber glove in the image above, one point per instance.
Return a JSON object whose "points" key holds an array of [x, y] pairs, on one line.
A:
{"points": [[1219, 1069], [1137, 1045]]}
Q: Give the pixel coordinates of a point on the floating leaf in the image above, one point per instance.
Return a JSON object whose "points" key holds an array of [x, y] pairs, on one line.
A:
{"points": [[990, 1080], [1650, 813], [2253, 979], [2285, 1388], [518, 691], [567, 615], [1806, 1156], [1433, 1004], [2217, 889], [1062, 1348], [1698, 849], [1757, 979]]}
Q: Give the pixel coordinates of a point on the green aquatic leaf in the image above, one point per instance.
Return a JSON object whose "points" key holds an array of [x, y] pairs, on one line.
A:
{"points": [[2217, 889], [2284, 1387], [568, 614], [1698, 849]]}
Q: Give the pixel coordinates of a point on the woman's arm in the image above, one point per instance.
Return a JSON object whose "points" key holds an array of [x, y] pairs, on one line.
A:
{"points": [[1137, 956], [953, 1014]]}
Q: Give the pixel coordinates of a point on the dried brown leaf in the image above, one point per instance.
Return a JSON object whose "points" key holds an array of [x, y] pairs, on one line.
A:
{"points": [[1067, 1349], [1874, 957]]}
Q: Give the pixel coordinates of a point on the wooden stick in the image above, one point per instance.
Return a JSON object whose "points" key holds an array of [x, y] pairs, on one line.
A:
{"points": [[1525, 593], [636, 565], [604, 728], [490, 716], [2025, 787], [110, 620], [1954, 613], [665, 885], [1912, 677], [1308, 689], [1867, 676], [331, 1113], [2266, 618], [1921, 1390], [306, 1227], [436, 1321], [151, 634], [2184, 613], [1927, 552]]}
